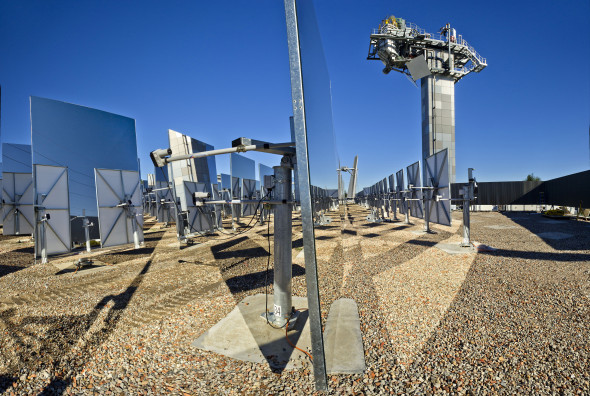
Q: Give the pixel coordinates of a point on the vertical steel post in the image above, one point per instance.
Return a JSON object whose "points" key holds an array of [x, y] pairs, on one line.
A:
{"points": [[86, 226], [406, 209], [468, 195], [395, 207], [427, 211], [132, 216], [43, 239], [16, 220], [282, 249], [466, 233]]}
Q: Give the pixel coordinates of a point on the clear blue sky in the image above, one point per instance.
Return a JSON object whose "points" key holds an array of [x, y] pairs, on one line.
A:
{"points": [[217, 70]]}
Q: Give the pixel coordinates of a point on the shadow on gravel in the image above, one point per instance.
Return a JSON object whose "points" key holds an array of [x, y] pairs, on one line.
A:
{"points": [[6, 382], [251, 252], [321, 238], [545, 256], [8, 269], [537, 224], [252, 281], [133, 252], [349, 232], [422, 242], [371, 225], [219, 247], [62, 333], [25, 250], [15, 260]]}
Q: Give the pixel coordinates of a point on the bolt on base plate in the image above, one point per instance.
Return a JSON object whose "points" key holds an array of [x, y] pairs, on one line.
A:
{"points": [[278, 321]]}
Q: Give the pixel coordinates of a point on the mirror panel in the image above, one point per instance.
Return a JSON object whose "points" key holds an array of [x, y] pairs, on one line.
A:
{"points": [[81, 139]]}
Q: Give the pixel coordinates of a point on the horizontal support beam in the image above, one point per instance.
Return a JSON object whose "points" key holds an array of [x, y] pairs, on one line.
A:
{"points": [[272, 148]]}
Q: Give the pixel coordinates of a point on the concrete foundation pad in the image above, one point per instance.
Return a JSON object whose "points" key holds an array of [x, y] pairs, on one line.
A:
{"points": [[422, 232], [343, 341], [554, 235], [500, 227], [69, 267], [244, 335], [300, 257], [455, 248]]}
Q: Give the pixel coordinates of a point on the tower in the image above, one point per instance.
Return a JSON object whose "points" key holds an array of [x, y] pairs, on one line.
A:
{"points": [[439, 61]]}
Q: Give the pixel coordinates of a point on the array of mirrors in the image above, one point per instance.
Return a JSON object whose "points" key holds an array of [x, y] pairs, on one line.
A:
{"points": [[430, 200], [181, 192], [66, 194]]}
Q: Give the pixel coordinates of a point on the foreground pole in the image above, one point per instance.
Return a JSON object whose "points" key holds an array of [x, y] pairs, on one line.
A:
{"points": [[407, 210], [283, 266], [43, 238], [468, 195], [86, 226], [427, 211], [466, 234]]}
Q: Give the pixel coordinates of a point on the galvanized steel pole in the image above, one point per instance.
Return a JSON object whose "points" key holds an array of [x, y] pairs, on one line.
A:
{"points": [[282, 249], [427, 211], [86, 225], [466, 235]]}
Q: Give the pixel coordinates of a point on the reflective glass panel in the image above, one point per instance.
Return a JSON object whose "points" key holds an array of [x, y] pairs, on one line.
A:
{"points": [[225, 181], [81, 139], [242, 167], [321, 146], [16, 158], [264, 170]]}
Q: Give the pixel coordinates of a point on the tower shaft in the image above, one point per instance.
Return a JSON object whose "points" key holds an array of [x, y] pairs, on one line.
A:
{"points": [[438, 117]]}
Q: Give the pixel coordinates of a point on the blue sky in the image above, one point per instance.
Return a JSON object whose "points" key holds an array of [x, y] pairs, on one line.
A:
{"points": [[219, 70]]}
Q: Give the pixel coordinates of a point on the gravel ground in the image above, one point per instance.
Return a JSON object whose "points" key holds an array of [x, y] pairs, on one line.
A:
{"points": [[511, 321]]}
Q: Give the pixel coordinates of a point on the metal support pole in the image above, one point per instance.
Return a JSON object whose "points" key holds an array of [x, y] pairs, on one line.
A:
{"points": [[283, 266], [43, 238], [262, 215], [395, 209], [233, 217], [427, 211], [86, 226], [134, 228], [466, 234], [407, 210], [16, 221]]}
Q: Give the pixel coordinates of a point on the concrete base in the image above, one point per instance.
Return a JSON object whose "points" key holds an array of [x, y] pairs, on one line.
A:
{"points": [[69, 267], [343, 341], [422, 232], [243, 335], [500, 227], [554, 235], [455, 248]]}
